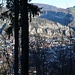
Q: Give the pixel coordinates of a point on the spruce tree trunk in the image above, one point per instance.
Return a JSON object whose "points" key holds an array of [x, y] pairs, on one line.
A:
{"points": [[24, 24], [16, 37]]}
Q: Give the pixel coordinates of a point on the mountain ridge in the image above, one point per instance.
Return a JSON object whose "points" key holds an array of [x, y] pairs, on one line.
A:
{"points": [[60, 15], [47, 6]]}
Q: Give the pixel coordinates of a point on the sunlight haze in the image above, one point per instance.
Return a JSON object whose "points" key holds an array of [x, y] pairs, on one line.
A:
{"points": [[57, 3]]}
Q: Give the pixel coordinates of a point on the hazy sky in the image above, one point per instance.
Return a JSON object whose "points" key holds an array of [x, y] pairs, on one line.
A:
{"points": [[58, 3]]}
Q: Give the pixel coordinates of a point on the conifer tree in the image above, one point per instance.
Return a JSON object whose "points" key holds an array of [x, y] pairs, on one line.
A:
{"points": [[18, 14]]}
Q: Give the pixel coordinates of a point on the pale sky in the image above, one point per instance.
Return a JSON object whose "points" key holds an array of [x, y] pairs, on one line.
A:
{"points": [[57, 3]]}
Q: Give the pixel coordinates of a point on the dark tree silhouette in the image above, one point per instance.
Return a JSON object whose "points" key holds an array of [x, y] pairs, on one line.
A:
{"points": [[21, 7], [24, 24], [16, 36]]}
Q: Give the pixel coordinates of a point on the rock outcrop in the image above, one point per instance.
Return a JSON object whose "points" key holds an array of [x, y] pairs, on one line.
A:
{"points": [[44, 27]]}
